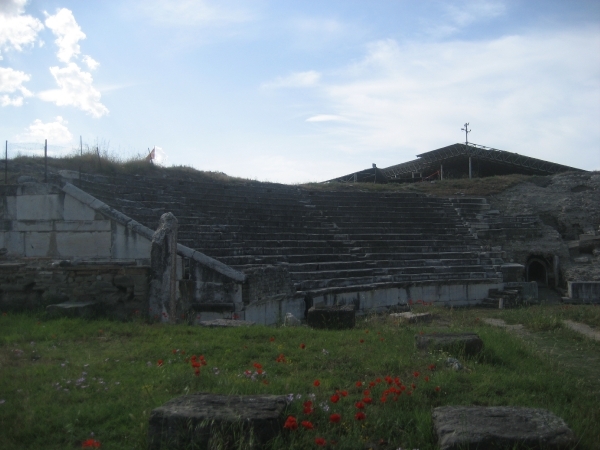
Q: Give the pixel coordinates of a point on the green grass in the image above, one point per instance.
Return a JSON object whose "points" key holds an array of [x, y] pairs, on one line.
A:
{"points": [[124, 382]]}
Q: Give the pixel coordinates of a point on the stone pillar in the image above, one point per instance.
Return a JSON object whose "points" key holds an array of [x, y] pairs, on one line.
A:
{"points": [[163, 262]]}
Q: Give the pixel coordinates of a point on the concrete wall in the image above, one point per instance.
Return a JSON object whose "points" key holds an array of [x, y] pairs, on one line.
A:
{"points": [[41, 220]]}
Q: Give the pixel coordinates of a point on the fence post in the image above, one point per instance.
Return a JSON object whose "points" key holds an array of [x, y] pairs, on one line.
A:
{"points": [[6, 163], [45, 160], [80, 158]]}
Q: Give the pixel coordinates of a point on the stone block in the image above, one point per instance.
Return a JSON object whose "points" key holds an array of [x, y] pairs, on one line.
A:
{"points": [[73, 209], [411, 317], [495, 427], [584, 291], [39, 207], [84, 245], [469, 343], [74, 309], [225, 323], [203, 420], [331, 317]]}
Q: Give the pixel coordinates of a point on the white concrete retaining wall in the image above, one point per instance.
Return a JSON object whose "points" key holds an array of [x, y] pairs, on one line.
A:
{"points": [[42, 220]]}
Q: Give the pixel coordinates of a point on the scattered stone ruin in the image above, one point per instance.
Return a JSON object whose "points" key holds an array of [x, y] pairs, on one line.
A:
{"points": [[257, 251]]}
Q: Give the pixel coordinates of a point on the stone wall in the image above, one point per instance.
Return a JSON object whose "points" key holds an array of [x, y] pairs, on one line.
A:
{"points": [[42, 220], [120, 289]]}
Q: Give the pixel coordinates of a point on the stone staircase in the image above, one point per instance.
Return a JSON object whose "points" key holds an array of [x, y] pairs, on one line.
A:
{"points": [[326, 240]]}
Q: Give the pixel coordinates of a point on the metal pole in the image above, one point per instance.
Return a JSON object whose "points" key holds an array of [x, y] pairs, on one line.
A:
{"points": [[441, 172], [469, 167], [6, 163], [80, 158], [45, 160]]}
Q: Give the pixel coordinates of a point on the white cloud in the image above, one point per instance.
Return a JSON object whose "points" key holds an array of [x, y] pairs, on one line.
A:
{"points": [[11, 82], [298, 79], [90, 62], [17, 30], [75, 89], [535, 94], [194, 12], [325, 118], [56, 132], [473, 11], [68, 34]]}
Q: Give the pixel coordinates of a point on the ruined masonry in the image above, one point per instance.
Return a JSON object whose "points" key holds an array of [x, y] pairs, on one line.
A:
{"points": [[248, 250]]}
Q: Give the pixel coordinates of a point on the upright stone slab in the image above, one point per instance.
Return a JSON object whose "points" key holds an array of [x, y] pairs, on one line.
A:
{"points": [[193, 421], [163, 262], [331, 317], [470, 343], [500, 427]]}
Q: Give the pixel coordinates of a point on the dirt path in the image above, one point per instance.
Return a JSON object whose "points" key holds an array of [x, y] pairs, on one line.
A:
{"points": [[580, 356]]}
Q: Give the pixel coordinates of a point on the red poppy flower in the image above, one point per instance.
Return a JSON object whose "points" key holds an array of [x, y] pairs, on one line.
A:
{"points": [[397, 381], [344, 393], [197, 372], [362, 340], [160, 362], [378, 380], [381, 339], [431, 366], [359, 384], [416, 374], [426, 378], [389, 380], [302, 346], [307, 404], [316, 383], [367, 400], [383, 399], [257, 365], [194, 357], [334, 398], [90, 443], [174, 351], [335, 418], [196, 364], [360, 405], [372, 384], [360, 415], [366, 331], [291, 423], [272, 338], [280, 358], [307, 425], [320, 442], [438, 389]]}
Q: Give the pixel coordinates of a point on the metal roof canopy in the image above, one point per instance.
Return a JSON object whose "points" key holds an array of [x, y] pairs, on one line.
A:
{"points": [[453, 154]]}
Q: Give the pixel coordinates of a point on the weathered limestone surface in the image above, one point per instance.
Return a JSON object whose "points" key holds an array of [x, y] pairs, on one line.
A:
{"points": [[412, 317], [500, 427], [331, 317], [74, 309], [225, 323], [470, 343], [192, 421], [163, 262]]}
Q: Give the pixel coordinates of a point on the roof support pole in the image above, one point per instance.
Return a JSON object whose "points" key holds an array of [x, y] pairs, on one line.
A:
{"points": [[441, 172], [469, 167]]}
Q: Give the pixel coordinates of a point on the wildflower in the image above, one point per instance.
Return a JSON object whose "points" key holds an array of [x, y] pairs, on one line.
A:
{"points": [[360, 415], [366, 392], [272, 339], [362, 340], [324, 406], [302, 346], [334, 398], [307, 425], [174, 351], [196, 364], [367, 400], [307, 407], [372, 384], [431, 367], [160, 362], [280, 358], [325, 352], [358, 383], [320, 442], [360, 405], [316, 383], [414, 386], [438, 389], [383, 399], [335, 418], [197, 372], [291, 423], [344, 393], [378, 380], [381, 339], [257, 365], [416, 374], [90, 443], [367, 331], [426, 378]]}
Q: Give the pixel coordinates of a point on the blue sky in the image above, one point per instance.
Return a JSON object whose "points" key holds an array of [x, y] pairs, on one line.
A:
{"points": [[297, 91]]}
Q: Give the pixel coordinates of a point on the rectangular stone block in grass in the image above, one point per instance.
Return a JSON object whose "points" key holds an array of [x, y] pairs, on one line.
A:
{"points": [[331, 317], [469, 343], [200, 420]]}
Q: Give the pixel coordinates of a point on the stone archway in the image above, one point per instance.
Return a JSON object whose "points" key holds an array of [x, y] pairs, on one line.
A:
{"points": [[537, 270]]}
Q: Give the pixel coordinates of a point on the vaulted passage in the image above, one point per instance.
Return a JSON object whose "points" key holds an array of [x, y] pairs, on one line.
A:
{"points": [[536, 271]]}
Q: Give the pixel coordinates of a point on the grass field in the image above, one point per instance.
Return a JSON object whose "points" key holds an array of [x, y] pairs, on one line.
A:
{"points": [[66, 381]]}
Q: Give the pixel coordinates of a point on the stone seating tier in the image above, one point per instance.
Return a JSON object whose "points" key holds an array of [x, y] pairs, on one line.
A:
{"points": [[326, 240]]}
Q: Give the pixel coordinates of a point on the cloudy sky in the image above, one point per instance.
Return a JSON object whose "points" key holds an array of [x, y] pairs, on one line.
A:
{"points": [[297, 91]]}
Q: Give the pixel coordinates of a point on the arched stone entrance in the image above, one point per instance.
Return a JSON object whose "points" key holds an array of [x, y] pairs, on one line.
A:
{"points": [[537, 270]]}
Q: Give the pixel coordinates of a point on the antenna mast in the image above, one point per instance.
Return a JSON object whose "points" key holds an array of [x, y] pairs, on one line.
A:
{"points": [[467, 131]]}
